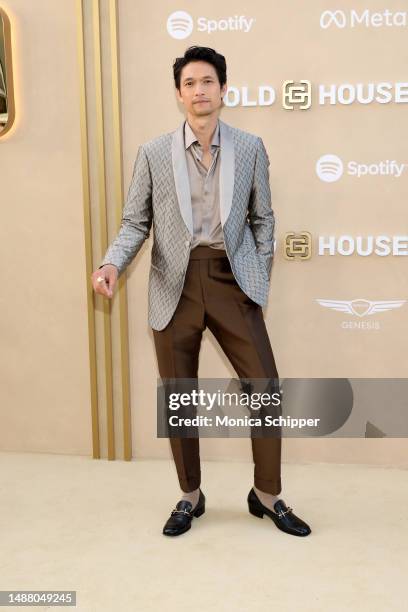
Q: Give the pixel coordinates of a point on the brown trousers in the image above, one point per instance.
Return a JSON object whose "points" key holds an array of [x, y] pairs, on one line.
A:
{"points": [[212, 298]]}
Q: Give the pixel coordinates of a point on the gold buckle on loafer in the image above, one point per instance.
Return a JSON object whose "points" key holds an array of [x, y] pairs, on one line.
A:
{"points": [[283, 512], [182, 512]]}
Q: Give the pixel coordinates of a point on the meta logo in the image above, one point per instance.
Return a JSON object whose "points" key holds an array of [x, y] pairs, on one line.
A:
{"points": [[180, 24], [330, 168], [342, 19]]}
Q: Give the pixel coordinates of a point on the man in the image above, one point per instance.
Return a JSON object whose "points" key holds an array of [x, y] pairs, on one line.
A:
{"points": [[205, 187]]}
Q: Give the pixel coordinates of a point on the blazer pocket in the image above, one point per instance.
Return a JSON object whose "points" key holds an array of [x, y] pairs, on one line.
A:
{"points": [[252, 251]]}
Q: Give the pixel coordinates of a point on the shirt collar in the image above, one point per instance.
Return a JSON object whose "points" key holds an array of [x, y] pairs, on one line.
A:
{"points": [[190, 137]]}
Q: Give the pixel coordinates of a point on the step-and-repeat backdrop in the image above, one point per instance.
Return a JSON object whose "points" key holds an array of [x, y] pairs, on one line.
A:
{"points": [[326, 88]]}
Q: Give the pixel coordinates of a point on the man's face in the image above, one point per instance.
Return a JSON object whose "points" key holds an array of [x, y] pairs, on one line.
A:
{"points": [[200, 90]]}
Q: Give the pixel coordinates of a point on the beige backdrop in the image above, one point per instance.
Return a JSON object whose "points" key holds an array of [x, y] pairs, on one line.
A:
{"points": [[45, 368]]}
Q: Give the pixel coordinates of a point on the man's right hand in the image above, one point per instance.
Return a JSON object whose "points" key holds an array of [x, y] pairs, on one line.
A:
{"points": [[105, 287]]}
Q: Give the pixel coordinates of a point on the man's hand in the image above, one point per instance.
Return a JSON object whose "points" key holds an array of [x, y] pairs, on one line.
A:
{"points": [[105, 287]]}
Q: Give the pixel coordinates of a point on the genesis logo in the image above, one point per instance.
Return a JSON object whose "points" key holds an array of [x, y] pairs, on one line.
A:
{"points": [[341, 19], [361, 308], [180, 24]]}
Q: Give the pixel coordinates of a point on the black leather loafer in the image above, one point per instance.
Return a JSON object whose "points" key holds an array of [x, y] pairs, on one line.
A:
{"points": [[284, 518], [182, 515]]}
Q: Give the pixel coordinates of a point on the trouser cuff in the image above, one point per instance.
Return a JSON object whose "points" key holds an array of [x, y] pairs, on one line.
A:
{"points": [[274, 487]]}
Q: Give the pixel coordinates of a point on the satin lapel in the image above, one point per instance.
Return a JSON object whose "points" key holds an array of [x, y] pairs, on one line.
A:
{"points": [[227, 171], [181, 180]]}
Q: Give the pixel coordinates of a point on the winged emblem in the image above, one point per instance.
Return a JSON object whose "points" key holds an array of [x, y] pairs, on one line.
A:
{"points": [[361, 308]]}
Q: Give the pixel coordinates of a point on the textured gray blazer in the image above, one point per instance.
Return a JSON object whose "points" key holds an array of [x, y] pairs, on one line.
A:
{"points": [[159, 193]]}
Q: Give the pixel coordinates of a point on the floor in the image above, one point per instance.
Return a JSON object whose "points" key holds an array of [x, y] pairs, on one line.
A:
{"points": [[94, 526]]}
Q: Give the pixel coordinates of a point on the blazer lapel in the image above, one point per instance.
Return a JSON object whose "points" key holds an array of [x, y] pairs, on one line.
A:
{"points": [[227, 171], [181, 179]]}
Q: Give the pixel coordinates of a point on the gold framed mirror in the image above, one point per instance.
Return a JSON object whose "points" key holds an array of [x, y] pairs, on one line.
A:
{"points": [[7, 111]]}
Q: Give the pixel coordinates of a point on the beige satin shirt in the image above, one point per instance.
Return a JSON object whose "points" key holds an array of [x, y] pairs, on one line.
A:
{"points": [[204, 188]]}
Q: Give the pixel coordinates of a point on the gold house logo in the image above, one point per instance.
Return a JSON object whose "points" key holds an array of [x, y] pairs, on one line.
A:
{"points": [[297, 94], [297, 245]]}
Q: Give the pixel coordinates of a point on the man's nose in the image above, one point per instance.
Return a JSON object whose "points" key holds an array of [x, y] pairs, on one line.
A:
{"points": [[199, 91]]}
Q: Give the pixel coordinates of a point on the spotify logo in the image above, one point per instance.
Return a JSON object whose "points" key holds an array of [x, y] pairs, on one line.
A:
{"points": [[329, 168], [179, 25]]}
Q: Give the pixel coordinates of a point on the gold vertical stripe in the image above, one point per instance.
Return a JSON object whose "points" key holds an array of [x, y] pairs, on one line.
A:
{"points": [[8, 68], [117, 160], [103, 224], [88, 233]]}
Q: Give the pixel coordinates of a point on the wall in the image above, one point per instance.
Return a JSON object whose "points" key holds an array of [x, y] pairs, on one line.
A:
{"points": [[285, 42]]}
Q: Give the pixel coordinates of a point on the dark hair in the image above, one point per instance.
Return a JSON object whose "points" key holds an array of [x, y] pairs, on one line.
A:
{"points": [[203, 54]]}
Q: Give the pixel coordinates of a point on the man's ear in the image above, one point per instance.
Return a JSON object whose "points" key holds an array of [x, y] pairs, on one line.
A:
{"points": [[224, 90], [179, 98]]}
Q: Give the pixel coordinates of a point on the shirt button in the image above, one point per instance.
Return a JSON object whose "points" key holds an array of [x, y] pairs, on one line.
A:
{"points": [[187, 243]]}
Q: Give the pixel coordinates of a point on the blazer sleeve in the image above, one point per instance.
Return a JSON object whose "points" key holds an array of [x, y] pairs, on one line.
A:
{"points": [[260, 213], [136, 218]]}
